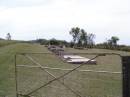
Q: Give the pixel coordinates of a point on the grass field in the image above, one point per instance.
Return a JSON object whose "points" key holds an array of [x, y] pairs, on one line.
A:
{"points": [[7, 42], [87, 84]]}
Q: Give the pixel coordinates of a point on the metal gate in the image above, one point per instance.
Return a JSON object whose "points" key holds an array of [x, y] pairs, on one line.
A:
{"points": [[46, 75]]}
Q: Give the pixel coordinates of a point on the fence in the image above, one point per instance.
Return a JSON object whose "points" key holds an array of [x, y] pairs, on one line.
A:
{"points": [[47, 75]]}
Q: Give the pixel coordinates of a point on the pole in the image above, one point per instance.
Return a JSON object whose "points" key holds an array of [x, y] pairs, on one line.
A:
{"points": [[126, 76], [16, 82]]}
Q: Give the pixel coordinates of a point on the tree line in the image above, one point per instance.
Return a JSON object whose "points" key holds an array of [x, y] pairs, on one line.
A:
{"points": [[83, 39], [80, 40]]}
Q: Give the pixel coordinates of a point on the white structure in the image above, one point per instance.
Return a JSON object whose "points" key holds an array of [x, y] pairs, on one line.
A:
{"points": [[77, 59], [72, 57]]}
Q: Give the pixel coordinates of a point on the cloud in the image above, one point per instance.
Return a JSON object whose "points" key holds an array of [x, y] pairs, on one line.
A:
{"points": [[54, 18], [23, 3]]}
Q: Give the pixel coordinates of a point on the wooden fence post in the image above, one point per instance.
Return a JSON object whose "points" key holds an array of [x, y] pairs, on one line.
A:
{"points": [[126, 75]]}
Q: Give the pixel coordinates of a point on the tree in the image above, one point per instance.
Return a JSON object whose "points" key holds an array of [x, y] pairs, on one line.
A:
{"points": [[75, 34], [110, 43], [8, 36], [114, 40], [91, 38], [83, 37], [71, 44]]}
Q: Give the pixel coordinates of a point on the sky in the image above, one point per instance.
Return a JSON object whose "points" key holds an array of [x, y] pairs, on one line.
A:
{"points": [[33, 19]]}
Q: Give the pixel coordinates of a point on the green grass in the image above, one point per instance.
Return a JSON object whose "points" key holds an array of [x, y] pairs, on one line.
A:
{"points": [[7, 83], [85, 83], [7, 42]]}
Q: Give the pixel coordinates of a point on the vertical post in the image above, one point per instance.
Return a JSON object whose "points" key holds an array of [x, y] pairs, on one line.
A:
{"points": [[126, 76], [64, 80], [16, 82]]}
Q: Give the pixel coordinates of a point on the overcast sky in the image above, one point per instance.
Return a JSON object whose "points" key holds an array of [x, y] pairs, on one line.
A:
{"points": [[32, 19]]}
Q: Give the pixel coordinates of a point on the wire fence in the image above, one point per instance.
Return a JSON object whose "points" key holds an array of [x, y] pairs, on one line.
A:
{"points": [[47, 75]]}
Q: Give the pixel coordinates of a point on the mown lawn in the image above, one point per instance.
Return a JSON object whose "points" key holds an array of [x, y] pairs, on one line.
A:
{"points": [[7, 42], [7, 82], [87, 84]]}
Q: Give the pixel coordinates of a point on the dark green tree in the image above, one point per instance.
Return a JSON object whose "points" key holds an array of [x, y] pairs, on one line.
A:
{"points": [[83, 38], [75, 34], [114, 40]]}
